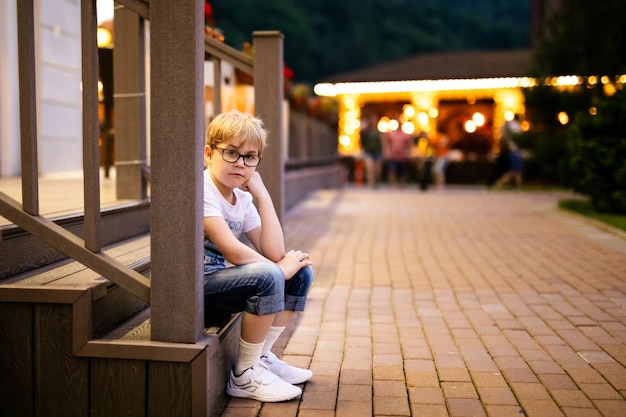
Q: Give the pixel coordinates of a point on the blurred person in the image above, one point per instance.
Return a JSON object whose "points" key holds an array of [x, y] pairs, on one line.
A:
{"points": [[440, 145], [372, 147], [512, 157], [397, 150]]}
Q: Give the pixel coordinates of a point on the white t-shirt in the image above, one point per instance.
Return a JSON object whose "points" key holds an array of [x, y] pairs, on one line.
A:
{"points": [[241, 217]]}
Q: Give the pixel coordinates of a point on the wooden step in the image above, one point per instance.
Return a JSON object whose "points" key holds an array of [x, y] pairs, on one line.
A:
{"points": [[129, 353], [22, 252], [110, 304]]}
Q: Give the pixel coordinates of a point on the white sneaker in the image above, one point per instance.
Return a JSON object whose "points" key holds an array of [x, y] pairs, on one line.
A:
{"points": [[285, 371], [260, 384]]}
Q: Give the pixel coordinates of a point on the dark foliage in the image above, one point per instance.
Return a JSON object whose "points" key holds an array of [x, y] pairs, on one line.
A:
{"points": [[324, 37], [584, 38], [597, 148]]}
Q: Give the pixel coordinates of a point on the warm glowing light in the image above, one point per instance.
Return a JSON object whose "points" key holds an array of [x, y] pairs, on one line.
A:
{"points": [[478, 119], [422, 118], [609, 89], [393, 124], [383, 124], [509, 115], [593, 111], [563, 118], [525, 126], [103, 38], [408, 110], [433, 112], [408, 128], [385, 87], [345, 140], [325, 90], [373, 87], [470, 126], [566, 80]]}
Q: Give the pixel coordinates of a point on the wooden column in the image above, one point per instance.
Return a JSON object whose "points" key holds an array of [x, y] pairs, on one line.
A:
{"points": [[268, 105], [91, 125], [177, 130], [130, 104], [28, 106]]}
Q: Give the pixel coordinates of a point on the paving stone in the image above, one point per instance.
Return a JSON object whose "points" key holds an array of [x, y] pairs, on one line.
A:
{"points": [[283, 409], [426, 395], [362, 393], [570, 398], [460, 407], [353, 408], [459, 390], [503, 410], [391, 406]]}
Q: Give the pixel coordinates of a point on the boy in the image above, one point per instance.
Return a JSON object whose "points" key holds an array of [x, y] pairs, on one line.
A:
{"points": [[264, 281]]}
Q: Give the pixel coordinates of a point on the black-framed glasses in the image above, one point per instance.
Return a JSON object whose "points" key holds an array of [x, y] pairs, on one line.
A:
{"points": [[232, 156]]}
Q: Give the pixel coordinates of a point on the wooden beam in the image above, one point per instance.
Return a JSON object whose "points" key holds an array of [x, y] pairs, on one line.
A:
{"points": [[229, 54], [141, 7]]}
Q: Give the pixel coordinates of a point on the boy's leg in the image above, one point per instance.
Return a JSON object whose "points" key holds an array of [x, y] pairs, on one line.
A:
{"points": [[258, 290], [254, 330], [296, 290]]}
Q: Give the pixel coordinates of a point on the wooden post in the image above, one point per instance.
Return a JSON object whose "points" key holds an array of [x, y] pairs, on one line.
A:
{"points": [[91, 127], [268, 105], [28, 106], [130, 104], [177, 130]]}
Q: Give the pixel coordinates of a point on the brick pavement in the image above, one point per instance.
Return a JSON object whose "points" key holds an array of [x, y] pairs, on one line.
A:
{"points": [[460, 303]]}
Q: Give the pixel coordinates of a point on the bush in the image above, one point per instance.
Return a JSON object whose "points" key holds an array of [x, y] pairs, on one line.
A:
{"points": [[596, 147]]}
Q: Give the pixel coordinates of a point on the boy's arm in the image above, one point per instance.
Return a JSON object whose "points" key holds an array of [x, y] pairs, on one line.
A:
{"points": [[268, 238], [235, 251], [238, 253]]}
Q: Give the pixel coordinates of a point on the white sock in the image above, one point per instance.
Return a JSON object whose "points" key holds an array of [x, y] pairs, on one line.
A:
{"points": [[249, 354], [272, 336]]}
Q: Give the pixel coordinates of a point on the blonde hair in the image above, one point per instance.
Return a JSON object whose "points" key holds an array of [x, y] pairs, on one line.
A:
{"points": [[239, 125]]}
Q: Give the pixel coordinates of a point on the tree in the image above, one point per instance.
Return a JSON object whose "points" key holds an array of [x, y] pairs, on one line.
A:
{"points": [[583, 38], [326, 37], [597, 148], [586, 39]]}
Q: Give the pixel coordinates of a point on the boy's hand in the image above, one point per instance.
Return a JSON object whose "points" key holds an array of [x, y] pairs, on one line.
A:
{"points": [[255, 186], [294, 261]]}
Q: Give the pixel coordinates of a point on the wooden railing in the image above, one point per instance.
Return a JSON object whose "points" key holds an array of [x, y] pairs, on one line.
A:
{"points": [[176, 135]]}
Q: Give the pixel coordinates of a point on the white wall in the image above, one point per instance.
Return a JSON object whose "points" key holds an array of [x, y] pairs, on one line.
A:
{"points": [[58, 78], [9, 92], [59, 110]]}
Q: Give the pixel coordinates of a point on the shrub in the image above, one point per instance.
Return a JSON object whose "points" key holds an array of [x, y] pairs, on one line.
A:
{"points": [[596, 147]]}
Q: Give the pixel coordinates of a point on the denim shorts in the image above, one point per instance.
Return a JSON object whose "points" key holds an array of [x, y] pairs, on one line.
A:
{"points": [[258, 288]]}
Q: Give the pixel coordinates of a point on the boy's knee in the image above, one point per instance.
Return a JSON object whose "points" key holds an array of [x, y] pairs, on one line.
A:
{"points": [[270, 276], [307, 276]]}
